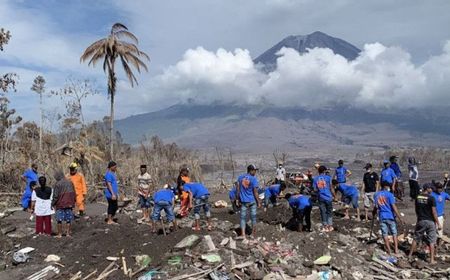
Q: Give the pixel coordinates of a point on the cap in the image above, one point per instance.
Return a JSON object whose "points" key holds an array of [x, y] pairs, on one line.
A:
{"points": [[184, 169], [143, 166], [252, 167], [368, 165], [386, 161], [73, 165]]}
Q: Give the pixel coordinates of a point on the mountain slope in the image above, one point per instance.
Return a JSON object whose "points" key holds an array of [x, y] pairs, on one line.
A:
{"points": [[303, 42]]}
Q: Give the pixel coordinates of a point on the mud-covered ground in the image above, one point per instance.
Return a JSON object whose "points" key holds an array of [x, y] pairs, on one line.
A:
{"points": [[93, 241]]}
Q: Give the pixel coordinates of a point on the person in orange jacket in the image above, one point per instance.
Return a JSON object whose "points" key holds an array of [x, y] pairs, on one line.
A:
{"points": [[183, 196], [80, 187]]}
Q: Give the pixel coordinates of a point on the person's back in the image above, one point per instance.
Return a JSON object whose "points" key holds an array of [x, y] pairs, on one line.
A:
{"points": [[348, 190], [396, 168], [322, 184], [388, 175], [341, 174], [383, 201], [299, 201], [64, 194], [273, 190], [424, 207], [163, 195], [197, 189], [247, 183]]}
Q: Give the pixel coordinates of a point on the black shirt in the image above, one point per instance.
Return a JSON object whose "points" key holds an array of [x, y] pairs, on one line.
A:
{"points": [[370, 181], [424, 204], [43, 193]]}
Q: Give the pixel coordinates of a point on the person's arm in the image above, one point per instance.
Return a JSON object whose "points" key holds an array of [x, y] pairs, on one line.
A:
{"points": [[190, 199], [374, 211], [435, 217], [33, 201], [55, 196], [397, 213], [23, 177], [255, 194], [348, 173], [238, 193], [84, 186], [333, 192], [110, 188]]}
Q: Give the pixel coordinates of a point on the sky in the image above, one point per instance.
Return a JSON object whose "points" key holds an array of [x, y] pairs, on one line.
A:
{"points": [[201, 51]]}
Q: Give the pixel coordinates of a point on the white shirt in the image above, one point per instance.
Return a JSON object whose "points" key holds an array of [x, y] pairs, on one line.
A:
{"points": [[43, 207], [144, 182], [281, 172]]}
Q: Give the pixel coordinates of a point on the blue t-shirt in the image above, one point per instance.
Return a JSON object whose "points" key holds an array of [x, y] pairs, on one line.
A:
{"points": [[396, 168], [164, 195], [440, 202], [232, 193], [197, 189], [388, 175], [247, 183], [341, 173], [273, 190], [110, 177], [348, 190], [31, 176], [384, 201], [322, 185], [299, 202]]}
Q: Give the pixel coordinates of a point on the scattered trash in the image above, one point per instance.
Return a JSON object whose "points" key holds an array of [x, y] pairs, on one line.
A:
{"points": [[323, 260], [325, 275], [143, 260], [175, 260], [20, 257], [52, 258], [220, 204], [47, 272], [211, 258], [112, 259], [187, 242], [26, 250]]}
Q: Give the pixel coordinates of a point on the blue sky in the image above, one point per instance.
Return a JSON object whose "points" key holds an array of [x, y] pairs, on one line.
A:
{"points": [[50, 35]]}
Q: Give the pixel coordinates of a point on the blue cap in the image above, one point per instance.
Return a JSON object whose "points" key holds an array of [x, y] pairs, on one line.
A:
{"points": [[386, 161]]}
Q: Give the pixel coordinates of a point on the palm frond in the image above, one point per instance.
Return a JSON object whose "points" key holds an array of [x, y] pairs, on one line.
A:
{"points": [[117, 27], [128, 72], [91, 49], [126, 34]]}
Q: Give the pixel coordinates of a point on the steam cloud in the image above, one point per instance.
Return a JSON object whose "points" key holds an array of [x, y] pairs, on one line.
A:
{"points": [[381, 77]]}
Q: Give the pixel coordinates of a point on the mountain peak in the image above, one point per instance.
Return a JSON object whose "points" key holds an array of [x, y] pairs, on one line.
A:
{"points": [[302, 43]]}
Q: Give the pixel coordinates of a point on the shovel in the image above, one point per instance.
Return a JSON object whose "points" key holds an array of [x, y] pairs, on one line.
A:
{"points": [[370, 241]]}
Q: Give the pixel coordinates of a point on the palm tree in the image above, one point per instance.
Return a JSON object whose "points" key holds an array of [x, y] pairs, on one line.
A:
{"points": [[120, 44]]}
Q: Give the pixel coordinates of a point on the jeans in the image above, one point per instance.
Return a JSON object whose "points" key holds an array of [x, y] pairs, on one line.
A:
{"points": [[388, 227], [202, 200], [303, 215], [144, 202], [269, 199], [244, 207], [168, 209], [353, 200], [326, 212]]}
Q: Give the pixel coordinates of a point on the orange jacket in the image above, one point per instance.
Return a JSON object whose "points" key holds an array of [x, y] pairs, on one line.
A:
{"points": [[79, 183]]}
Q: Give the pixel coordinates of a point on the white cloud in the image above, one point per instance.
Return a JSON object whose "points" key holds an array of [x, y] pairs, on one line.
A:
{"points": [[381, 77]]}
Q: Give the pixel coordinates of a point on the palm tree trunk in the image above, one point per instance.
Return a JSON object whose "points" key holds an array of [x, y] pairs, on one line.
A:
{"points": [[40, 127], [111, 127]]}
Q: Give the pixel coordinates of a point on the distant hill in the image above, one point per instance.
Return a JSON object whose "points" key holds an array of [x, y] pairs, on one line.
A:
{"points": [[303, 42], [252, 128]]}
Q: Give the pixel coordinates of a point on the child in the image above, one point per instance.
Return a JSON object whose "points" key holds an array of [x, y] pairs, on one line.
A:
{"points": [[41, 204]]}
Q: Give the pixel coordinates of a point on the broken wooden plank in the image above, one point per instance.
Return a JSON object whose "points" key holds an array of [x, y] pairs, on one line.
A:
{"points": [[210, 243], [90, 274], [197, 274], [224, 241], [386, 265], [381, 271], [232, 243]]}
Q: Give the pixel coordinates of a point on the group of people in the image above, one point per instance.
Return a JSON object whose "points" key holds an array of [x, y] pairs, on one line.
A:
{"points": [[379, 196]]}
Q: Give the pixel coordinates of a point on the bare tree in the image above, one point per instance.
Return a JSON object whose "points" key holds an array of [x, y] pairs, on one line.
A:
{"points": [[39, 87]]}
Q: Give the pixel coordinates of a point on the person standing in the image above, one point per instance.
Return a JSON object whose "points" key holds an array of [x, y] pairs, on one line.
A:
{"points": [[111, 192], [41, 204], [384, 204], [183, 178], [247, 197], [414, 187], [198, 194], [326, 195], [427, 221], [164, 200], [388, 175], [301, 206], [341, 173], [441, 197], [80, 187], [371, 184], [63, 202], [30, 175], [398, 184], [144, 181], [280, 174]]}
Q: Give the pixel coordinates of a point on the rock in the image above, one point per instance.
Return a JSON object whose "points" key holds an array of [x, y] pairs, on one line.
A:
{"points": [[52, 258], [7, 229], [257, 274], [18, 235], [2, 264], [419, 264], [347, 240], [309, 264]]}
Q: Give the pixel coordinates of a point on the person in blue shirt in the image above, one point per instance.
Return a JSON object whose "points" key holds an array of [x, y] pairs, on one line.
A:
{"points": [[248, 198], [232, 194], [325, 193], [388, 175], [164, 199], [301, 207], [199, 195], [30, 175], [350, 195], [441, 197], [341, 172], [271, 194], [111, 192], [398, 184], [384, 204]]}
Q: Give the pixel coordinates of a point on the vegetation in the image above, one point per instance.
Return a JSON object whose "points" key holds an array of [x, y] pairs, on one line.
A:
{"points": [[119, 45]]}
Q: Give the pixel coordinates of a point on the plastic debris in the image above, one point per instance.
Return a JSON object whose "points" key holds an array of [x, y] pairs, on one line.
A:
{"points": [[188, 241], [220, 204], [211, 258], [143, 260], [323, 260], [175, 260], [52, 258]]}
